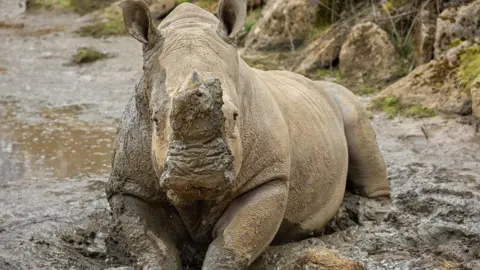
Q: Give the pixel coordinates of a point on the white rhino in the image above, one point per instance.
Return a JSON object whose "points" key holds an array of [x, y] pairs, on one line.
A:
{"points": [[213, 153]]}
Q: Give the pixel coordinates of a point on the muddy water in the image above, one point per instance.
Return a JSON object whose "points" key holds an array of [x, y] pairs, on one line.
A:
{"points": [[57, 125]]}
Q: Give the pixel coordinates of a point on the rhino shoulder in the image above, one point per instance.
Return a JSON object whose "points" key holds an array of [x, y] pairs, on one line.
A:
{"points": [[132, 169]]}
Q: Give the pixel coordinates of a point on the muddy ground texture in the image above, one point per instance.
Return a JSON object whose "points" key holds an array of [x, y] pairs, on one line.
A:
{"points": [[58, 121]]}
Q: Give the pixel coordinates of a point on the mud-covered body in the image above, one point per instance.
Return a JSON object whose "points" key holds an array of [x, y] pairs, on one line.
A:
{"points": [[273, 149]]}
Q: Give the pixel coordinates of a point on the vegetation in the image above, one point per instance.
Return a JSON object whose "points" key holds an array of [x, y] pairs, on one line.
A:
{"points": [[455, 43], [108, 23], [252, 18], [392, 107], [405, 50], [322, 74], [469, 66], [210, 5], [365, 90], [80, 6], [88, 55]]}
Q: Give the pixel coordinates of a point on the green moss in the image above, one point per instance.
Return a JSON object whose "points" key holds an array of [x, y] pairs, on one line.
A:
{"points": [[365, 90], [79, 6], [48, 4], [321, 74], [392, 5], [389, 105], [109, 23], [252, 18], [392, 107], [438, 85], [455, 43], [88, 55], [469, 66], [418, 111], [210, 5], [86, 6]]}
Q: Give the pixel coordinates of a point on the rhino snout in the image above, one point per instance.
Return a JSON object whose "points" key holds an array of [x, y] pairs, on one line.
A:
{"points": [[198, 171]]}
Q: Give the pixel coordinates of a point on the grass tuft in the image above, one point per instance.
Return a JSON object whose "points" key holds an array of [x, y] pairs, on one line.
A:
{"points": [[88, 55], [108, 23], [469, 66], [392, 107]]}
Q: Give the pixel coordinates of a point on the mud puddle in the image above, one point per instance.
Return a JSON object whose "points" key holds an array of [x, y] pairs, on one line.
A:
{"points": [[58, 122]]}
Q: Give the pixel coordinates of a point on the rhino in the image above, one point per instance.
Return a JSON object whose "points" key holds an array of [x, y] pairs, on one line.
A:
{"points": [[215, 154]]}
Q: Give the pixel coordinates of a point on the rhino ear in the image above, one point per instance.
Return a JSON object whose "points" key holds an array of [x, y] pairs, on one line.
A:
{"points": [[138, 20], [232, 15]]}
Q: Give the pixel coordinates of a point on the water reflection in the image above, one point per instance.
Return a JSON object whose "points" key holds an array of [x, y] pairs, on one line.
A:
{"points": [[10, 168], [53, 142]]}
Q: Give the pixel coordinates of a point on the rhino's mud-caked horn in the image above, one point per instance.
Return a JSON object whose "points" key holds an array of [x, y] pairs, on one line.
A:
{"points": [[196, 114]]}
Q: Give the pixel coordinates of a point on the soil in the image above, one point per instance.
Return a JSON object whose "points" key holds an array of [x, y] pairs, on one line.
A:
{"points": [[58, 122]]}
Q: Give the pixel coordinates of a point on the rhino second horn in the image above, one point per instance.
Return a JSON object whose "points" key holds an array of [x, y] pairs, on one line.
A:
{"points": [[193, 81]]}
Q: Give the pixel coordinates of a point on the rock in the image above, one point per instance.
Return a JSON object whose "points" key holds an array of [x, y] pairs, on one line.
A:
{"points": [[12, 8], [306, 254], [456, 24], [434, 85], [367, 55], [475, 91], [283, 25], [160, 8], [325, 51], [424, 34]]}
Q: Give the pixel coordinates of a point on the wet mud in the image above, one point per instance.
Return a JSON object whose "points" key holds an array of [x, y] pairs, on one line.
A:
{"points": [[57, 126]]}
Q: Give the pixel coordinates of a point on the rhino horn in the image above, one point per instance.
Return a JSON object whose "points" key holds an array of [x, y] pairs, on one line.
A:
{"points": [[197, 114]]}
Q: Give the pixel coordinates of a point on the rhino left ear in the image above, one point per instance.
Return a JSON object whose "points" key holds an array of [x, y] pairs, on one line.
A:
{"points": [[232, 15], [138, 21]]}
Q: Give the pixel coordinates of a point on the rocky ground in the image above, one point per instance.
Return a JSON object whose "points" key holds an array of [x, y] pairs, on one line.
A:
{"points": [[58, 120]]}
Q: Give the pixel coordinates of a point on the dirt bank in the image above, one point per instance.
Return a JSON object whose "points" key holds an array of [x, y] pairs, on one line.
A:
{"points": [[57, 123]]}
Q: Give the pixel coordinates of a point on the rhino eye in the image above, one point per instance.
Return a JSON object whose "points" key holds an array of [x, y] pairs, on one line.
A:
{"points": [[155, 120], [235, 115]]}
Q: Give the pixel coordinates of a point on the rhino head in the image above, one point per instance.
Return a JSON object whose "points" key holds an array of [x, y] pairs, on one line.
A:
{"points": [[192, 77]]}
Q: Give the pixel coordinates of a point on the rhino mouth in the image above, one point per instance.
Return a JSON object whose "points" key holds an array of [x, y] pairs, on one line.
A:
{"points": [[198, 171]]}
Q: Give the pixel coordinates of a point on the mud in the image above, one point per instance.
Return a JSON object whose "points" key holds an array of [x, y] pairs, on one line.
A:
{"points": [[58, 122]]}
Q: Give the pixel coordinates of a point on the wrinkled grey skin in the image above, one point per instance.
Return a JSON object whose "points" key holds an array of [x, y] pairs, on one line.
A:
{"points": [[215, 154]]}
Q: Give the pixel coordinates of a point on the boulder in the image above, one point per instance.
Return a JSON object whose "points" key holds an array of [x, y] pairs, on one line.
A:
{"points": [[306, 254], [160, 8], [325, 51], [283, 25], [367, 55], [12, 8], [435, 85], [475, 91], [456, 24], [424, 34]]}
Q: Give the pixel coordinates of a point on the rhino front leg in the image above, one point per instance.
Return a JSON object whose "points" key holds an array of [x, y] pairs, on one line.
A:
{"points": [[150, 232], [247, 227]]}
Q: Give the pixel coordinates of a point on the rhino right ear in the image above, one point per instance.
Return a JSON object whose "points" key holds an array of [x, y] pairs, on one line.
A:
{"points": [[232, 15], [138, 21]]}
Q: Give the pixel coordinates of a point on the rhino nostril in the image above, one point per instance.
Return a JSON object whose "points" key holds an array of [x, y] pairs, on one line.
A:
{"points": [[235, 115]]}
